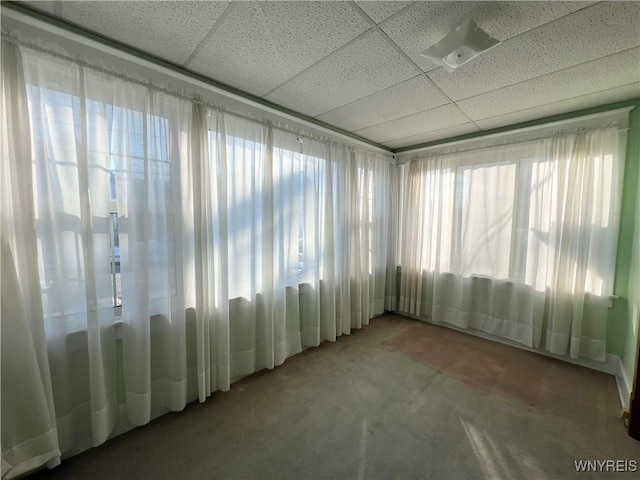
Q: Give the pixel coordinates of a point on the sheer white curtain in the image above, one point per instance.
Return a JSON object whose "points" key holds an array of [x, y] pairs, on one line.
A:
{"points": [[107, 162], [394, 223], [257, 333], [369, 200], [174, 248], [29, 434], [208, 289], [354, 232], [149, 134], [517, 241], [284, 266], [582, 250]]}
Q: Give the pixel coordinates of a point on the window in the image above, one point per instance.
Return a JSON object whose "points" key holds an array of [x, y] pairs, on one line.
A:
{"points": [[114, 252], [274, 203], [497, 214], [121, 158]]}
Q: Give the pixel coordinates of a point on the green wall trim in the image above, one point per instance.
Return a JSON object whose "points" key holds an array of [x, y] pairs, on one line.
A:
{"points": [[530, 123], [78, 30], [629, 361], [621, 325], [91, 35]]}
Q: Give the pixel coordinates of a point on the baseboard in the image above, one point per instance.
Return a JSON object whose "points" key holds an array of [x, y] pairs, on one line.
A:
{"points": [[612, 364], [622, 381]]}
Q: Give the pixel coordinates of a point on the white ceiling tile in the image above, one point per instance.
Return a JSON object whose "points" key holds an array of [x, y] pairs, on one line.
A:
{"points": [[319, 59], [413, 96], [426, 23], [435, 119], [432, 136], [602, 74], [262, 44], [170, 30], [366, 66], [380, 10], [571, 105], [594, 32]]}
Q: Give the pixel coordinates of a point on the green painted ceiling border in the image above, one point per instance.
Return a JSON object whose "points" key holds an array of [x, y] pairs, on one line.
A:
{"points": [[530, 123], [78, 30], [64, 25]]}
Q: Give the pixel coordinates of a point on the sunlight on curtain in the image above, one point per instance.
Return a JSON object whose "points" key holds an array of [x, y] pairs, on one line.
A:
{"points": [[517, 241], [147, 151], [278, 263], [107, 199], [208, 294], [154, 249], [176, 248], [29, 434]]}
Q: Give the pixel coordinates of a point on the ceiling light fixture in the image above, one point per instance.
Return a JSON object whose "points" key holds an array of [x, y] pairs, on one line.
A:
{"points": [[463, 43]]}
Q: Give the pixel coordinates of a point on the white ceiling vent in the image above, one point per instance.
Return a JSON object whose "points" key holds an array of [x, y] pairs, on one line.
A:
{"points": [[463, 43]]}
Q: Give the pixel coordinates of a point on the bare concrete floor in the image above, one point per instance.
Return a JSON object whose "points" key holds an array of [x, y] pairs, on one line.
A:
{"points": [[398, 399]]}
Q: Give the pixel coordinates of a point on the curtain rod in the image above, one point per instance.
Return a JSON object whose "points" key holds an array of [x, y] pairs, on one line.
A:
{"points": [[434, 150], [40, 20], [194, 99], [426, 156]]}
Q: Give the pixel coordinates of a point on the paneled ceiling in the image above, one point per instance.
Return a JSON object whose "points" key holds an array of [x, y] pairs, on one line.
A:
{"points": [[357, 65]]}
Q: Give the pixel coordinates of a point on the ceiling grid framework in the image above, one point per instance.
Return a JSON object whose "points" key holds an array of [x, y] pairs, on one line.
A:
{"points": [[394, 45], [228, 10], [357, 65], [302, 72]]}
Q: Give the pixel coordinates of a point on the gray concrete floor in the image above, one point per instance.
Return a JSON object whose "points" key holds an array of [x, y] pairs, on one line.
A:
{"points": [[398, 399]]}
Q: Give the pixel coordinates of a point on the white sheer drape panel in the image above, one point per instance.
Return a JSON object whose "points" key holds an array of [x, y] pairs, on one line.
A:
{"points": [[370, 222], [393, 238], [588, 186], [149, 144], [108, 158], [29, 434], [209, 295], [299, 192], [71, 192], [282, 252], [355, 228], [517, 241], [258, 336]]}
